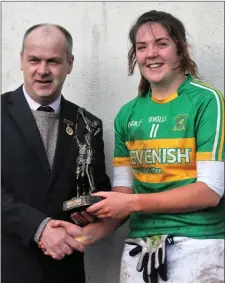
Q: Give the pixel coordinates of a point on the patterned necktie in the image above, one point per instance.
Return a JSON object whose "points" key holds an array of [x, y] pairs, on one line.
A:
{"points": [[45, 108]]}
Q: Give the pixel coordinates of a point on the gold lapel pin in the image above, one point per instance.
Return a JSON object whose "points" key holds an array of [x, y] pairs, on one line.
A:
{"points": [[69, 129]]}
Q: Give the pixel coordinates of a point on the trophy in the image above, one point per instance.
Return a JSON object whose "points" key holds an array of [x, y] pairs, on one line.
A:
{"points": [[85, 167]]}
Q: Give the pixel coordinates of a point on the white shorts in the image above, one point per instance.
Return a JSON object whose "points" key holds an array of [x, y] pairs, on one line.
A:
{"points": [[189, 261]]}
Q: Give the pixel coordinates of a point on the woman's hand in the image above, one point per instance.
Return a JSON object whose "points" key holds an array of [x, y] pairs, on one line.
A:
{"points": [[115, 205]]}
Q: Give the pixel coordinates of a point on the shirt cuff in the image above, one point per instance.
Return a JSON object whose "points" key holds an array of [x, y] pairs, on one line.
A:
{"points": [[40, 229]]}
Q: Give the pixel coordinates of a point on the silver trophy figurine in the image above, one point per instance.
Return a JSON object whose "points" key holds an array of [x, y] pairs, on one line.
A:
{"points": [[85, 166]]}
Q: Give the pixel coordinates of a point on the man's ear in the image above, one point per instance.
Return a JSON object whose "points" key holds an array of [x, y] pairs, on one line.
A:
{"points": [[21, 61], [70, 60]]}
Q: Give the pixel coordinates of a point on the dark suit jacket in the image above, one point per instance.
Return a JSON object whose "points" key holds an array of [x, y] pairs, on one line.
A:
{"points": [[31, 191]]}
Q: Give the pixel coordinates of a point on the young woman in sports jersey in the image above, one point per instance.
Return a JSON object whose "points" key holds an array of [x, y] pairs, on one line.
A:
{"points": [[168, 165], [168, 162]]}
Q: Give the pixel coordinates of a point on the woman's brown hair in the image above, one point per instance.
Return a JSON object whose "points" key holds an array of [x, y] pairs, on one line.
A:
{"points": [[176, 30]]}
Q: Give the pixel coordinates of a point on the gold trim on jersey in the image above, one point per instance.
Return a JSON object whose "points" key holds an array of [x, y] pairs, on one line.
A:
{"points": [[168, 99], [121, 161], [204, 156], [162, 143], [169, 175]]}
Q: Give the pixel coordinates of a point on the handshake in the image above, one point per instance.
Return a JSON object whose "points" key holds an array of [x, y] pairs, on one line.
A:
{"points": [[60, 238]]}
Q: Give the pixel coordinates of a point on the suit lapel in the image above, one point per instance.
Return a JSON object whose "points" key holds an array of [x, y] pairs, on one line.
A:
{"points": [[68, 114], [23, 117]]}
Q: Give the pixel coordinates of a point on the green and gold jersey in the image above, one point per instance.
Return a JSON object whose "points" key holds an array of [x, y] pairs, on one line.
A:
{"points": [[161, 141]]}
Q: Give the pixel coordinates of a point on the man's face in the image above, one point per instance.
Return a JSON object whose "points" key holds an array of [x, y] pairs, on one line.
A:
{"points": [[156, 54], [45, 64]]}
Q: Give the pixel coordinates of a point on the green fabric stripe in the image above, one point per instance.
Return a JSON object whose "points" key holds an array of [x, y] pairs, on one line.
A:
{"points": [[221, 127], [218, 101]]}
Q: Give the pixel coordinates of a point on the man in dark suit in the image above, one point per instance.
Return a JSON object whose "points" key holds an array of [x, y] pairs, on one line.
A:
{"points": [[39, 163]]}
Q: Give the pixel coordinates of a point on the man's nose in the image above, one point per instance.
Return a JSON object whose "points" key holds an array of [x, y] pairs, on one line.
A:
{"points": [[43, 68]]}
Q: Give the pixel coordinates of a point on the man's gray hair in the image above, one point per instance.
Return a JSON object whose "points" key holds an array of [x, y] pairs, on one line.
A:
{"points": [[65, 32]]}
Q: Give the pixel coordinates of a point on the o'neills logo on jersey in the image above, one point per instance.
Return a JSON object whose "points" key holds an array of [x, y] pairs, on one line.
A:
{"points": [[157, 119], [160, 156]]}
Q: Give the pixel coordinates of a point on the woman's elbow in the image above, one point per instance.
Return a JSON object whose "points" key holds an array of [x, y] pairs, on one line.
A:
{"points": [[214, 199]]}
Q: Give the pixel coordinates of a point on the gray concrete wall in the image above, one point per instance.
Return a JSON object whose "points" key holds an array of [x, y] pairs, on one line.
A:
{"points": [[99, 79]]}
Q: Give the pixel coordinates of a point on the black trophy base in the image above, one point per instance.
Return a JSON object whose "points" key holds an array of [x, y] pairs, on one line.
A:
{"points": [[78, 204]]}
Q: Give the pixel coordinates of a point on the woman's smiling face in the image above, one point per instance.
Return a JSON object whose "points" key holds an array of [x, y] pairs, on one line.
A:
{"points": [[156, 54]]}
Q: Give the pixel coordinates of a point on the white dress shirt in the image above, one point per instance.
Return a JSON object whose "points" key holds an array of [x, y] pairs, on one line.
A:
{"points": [[35, 105]]}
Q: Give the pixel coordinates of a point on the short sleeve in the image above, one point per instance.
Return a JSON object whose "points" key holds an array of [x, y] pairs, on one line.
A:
{"points": [[210, 127], [121, 153]]}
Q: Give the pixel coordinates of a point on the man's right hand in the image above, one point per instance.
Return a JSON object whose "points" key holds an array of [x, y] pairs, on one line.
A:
{"points": [[58, 242]]}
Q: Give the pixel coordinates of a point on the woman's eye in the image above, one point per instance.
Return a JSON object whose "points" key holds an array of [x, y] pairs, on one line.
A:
{"points": [[161, 44], [140, 47]]}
